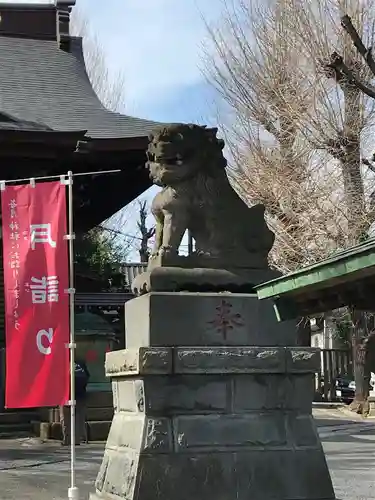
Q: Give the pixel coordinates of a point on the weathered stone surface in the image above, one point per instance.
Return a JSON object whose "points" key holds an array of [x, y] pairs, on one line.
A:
{"points": [[229, 360], [188, 162], [245, 360], [140, 433], [138, 361], [300, 392], [187, 394], [195, 360], [260, 392], [302, 430], [118, 474], [128, 395], [225, 432], [214, 319], [240, 475], [185, 276], [301, 359], [202, 393]]}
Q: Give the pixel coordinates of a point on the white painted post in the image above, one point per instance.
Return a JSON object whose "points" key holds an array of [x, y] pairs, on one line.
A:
{"points": [[73, 491]]}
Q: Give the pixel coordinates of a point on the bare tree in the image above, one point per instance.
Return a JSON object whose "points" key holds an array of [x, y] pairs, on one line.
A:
{"points": [[352, 74], [146, 232], [109, 86], [343, 71], [266, 81], [341, 62], [345, 118], [297, 127]]}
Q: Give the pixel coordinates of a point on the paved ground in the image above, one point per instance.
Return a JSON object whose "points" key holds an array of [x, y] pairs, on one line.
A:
{"points": [[29, 470], [32, 471]]}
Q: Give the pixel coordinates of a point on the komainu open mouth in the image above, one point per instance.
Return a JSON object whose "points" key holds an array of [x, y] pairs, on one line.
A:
{"points": [[164, 159]]}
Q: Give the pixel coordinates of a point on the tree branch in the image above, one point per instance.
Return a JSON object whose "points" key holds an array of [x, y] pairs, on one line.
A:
{"points": [[337, 68], [348, 26], [368, 164], [338, 65]]}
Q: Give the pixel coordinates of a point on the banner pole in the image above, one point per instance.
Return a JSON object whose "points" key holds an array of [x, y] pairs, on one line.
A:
{"points": [[73, 492]]}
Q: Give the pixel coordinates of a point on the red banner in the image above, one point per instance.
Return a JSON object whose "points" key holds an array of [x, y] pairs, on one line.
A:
{"points": [[36, 303]]}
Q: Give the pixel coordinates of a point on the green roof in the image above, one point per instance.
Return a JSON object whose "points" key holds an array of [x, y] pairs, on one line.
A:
{"points": [[326, 285], [340, 266]]}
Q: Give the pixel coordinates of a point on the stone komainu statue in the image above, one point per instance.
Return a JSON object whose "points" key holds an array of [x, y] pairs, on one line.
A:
{"points": [[188, 162]]}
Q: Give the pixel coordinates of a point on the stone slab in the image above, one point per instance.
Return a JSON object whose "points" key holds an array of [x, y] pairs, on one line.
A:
{"points": [[206, 360], [145, 360], [302, 430], [225, 432], [203, 394], [299, 359], [195, 261], [245, 360], [240, 475], [211, 360], [199, 279], [271, 392], [229, 360], [96, 430], [186, 394], [140, 433], [204, 319]]}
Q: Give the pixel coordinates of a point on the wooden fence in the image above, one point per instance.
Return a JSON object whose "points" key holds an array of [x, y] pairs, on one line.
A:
{"points": [[335, 362]]}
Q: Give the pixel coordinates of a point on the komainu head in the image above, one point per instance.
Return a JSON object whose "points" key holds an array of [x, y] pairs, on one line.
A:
{"points": [[177, 152]]}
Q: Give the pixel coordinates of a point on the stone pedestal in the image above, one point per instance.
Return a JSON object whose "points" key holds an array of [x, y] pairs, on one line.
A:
{"points": [[206, 420], [183, 318]]}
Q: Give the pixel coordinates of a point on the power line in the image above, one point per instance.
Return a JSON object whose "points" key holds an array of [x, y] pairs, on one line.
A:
{"points": [[128, 235], [116, 231]]}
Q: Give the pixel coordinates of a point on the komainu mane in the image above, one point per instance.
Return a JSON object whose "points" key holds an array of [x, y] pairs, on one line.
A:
{"points": [[188, 162]]}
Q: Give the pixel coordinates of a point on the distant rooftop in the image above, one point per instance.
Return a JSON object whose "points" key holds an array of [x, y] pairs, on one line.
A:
{"points": [[43, 78]]}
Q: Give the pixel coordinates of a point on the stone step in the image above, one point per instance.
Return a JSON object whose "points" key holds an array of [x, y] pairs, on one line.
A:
{"points": [[99, 414], [18, 417], [96, 430], [94, 414], [18, 424], [100, 399], [16, 430]]}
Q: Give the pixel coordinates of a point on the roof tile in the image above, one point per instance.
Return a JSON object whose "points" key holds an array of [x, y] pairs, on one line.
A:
{"points": [[41, 83]]}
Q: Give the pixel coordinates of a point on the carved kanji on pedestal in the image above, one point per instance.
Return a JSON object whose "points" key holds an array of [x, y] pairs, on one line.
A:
{"points": [[226, 319]]}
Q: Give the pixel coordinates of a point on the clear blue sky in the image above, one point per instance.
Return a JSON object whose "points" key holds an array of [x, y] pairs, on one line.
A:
{"points": [[157, 44]]}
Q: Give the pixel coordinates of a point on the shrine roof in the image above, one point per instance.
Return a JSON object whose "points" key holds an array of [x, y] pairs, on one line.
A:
{"points": [[342, 279], [43, 78], [43, 84]]}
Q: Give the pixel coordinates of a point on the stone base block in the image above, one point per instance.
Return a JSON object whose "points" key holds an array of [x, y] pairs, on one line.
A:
{"points": [[202, 319], [237, 475], [213, 423]]}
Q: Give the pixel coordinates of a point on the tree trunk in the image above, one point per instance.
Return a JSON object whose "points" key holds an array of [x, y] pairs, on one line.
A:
{"points": [[360, 362], [304, 332], [146, 233], [351, 165], [143, 253]]}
